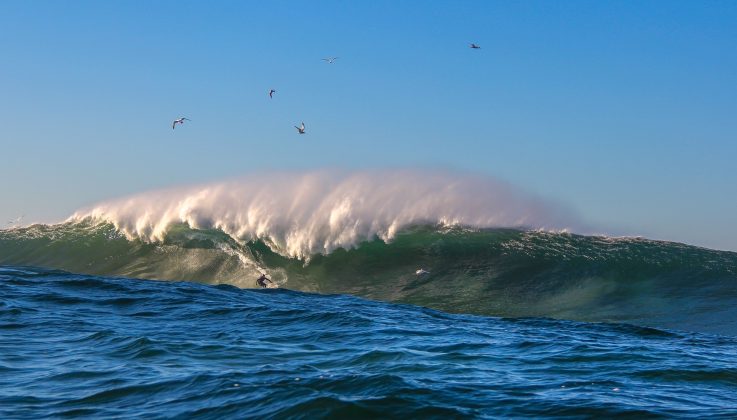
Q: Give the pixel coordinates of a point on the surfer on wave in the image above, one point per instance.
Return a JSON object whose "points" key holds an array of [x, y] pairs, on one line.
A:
{"points": [[264, 282]]}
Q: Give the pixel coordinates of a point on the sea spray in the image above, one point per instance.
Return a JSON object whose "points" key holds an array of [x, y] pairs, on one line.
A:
{"points": [[302, 214]]}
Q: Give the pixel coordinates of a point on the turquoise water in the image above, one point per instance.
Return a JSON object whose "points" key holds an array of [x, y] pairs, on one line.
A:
{"points": [[93, 346]]}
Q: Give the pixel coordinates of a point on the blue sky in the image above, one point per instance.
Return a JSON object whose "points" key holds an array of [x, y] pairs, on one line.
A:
{"points": [[624, 111]]}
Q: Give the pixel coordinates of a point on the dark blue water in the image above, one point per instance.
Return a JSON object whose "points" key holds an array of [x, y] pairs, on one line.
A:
{"points": [[91, 346]]}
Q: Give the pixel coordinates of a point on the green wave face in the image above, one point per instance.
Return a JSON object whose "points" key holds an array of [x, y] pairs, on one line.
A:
{"points": [[185, 254], [497, 272]]}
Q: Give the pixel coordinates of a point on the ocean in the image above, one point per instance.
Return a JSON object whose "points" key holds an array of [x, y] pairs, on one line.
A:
{"points": [[148, 307]]}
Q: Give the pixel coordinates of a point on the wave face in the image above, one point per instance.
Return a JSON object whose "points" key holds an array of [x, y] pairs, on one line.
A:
{"points": [[501, 272], [98, 347]]}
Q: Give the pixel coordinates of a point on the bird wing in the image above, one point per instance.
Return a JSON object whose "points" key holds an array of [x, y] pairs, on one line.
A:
{"points": [[174, 124]]}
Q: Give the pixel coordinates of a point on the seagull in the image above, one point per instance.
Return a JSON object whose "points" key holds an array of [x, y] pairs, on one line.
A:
{"points": [[421, 271], [180, 121], [330, 60], [271, 93], [301, 129], [474, 46]]}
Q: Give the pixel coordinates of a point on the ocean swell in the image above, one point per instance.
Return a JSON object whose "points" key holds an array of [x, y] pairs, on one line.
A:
{"points": [[500, 272], [489, 249]]}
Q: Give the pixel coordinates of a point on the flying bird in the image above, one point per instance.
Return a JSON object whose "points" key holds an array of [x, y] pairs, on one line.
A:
{"points": [[330, 60], [271, 93], [474, 46], [421, 271], [300, 130], [180, 121]]}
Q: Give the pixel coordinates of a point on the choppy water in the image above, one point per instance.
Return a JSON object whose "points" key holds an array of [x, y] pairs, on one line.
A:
{"points": [[91, 346]]}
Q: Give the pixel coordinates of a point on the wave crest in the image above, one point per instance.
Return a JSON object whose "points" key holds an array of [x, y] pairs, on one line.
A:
{"points": [[303, 214]]}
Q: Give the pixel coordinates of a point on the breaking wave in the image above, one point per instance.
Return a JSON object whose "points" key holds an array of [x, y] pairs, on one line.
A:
{"points": [[490, 250], [302, 214]]}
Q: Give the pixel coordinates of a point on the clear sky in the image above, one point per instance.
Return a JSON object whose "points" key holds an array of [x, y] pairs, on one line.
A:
{"points": [[625, 111]]}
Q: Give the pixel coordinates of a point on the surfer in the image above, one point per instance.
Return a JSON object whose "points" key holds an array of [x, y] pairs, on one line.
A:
{"points": [[264, 282]]}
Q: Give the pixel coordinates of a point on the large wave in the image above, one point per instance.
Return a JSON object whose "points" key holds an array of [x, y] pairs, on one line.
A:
{"points": [[500, 272], [367, 233], [303, 214]]}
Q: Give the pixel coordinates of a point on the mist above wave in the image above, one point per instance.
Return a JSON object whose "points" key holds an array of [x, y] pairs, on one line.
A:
{"points": [[302, 214]]}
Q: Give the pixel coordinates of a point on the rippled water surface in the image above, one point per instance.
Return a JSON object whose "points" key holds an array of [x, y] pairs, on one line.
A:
{"points": [[91, 346]]}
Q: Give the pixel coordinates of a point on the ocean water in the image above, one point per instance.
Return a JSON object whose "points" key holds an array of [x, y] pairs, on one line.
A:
{"points": [[495, 272], [91, 346], [148, 307]]}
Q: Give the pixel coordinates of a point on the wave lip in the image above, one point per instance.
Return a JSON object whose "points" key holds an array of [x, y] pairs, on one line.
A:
{"points": [[302, 214]]}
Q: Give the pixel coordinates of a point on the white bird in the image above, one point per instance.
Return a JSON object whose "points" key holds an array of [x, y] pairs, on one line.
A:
{"points": [[180, 121], [300, 130], [421, 271], [330, 60], [474, 46]]}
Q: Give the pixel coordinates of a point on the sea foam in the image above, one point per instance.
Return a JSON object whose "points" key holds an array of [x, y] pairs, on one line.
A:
{"points": [[302, 214]]}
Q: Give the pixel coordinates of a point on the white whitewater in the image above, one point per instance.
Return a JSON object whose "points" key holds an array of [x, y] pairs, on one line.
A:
{"points": [[302, 214]]}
